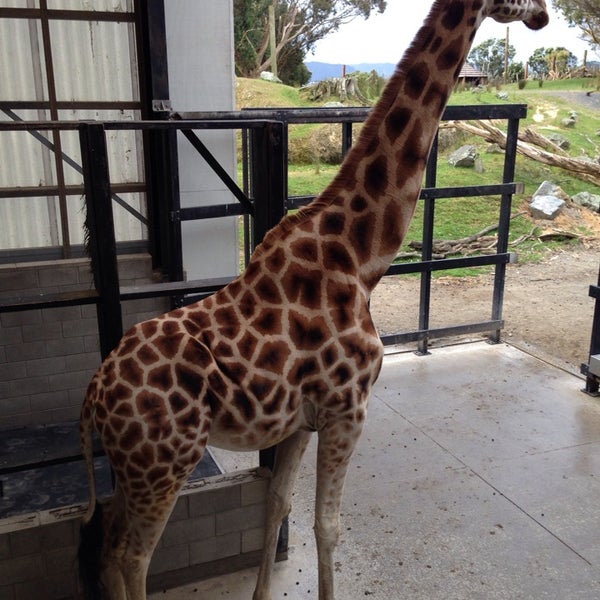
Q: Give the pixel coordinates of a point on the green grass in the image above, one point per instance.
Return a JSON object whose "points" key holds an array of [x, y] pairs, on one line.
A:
{"points": [[307, 180]]}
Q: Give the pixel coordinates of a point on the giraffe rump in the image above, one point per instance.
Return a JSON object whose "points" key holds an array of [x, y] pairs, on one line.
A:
{"points": [[89, 554]]}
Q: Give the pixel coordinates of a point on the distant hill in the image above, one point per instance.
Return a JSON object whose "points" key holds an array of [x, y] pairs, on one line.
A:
{"points": [[322, 70]]}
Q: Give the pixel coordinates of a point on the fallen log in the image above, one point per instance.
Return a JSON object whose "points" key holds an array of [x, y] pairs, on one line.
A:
{"points": [[584, 169], [478, 243]]}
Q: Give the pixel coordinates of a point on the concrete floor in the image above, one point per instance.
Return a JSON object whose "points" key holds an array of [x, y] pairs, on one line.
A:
{"points": [[477, 477]]}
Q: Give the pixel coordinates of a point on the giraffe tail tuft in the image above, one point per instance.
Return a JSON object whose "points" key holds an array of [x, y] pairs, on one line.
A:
{"points": [[91, 531]]}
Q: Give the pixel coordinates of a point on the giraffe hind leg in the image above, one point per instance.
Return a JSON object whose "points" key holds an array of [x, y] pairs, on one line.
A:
{"points": [[131, 537], [288, 458]]}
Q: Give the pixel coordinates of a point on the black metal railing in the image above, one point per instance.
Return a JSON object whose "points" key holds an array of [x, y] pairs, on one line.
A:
{"points": [[265, 200]]}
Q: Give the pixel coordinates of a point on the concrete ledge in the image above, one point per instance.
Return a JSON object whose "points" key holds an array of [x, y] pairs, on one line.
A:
{"points": [[216, 527]]}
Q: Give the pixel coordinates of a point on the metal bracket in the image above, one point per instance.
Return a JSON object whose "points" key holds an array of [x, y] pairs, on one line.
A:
{"points": [[161, 106]]}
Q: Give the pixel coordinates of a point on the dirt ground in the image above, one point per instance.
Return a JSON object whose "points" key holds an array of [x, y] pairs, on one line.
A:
{"points": [[547, 307]]}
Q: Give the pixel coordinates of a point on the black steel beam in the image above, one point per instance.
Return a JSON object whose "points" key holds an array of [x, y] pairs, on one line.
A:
{"points": [[100, 228], [394, 339]]}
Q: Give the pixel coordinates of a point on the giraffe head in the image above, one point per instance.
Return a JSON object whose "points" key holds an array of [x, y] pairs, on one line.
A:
{"points": [[532, 12]]}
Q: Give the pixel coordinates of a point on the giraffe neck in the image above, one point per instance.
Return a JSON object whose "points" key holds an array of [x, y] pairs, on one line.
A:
{"points": [[378, 185]]}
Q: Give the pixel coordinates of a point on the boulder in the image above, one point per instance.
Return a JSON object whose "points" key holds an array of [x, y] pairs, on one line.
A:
{"points": [[588, 200], [547, 201], [463, 157], [494, 149], [546, 207], [268, 76], [559, 140], [547, 188]]}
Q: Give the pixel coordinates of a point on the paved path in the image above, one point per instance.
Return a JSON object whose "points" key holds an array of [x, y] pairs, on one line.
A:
{"points": [[590, 99]]}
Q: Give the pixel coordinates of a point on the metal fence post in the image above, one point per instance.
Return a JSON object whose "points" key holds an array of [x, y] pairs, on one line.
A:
{"points": [[427, 252], [269, 160], [510, 159], [101, 242], [592, 382]]}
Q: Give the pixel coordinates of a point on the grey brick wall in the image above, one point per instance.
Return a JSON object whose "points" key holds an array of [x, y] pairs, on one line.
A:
{"points": [[216, 527], [48, 356]]}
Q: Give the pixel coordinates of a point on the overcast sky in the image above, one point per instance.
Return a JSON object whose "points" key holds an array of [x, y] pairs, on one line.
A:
{"points": [[383, 38]]}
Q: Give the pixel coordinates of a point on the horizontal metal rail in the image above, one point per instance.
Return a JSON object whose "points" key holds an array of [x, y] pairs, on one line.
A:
{"points": [[396, 339], [76, 298]]}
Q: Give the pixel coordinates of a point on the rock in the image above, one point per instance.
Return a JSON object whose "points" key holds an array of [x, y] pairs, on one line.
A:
{"points": [[268, 76], [546, 207], [494, 149], [568, 122], [547, 188], [463, 157], [588, 200], [559, 140], [547, 201], [334, 104], [502, 96]]}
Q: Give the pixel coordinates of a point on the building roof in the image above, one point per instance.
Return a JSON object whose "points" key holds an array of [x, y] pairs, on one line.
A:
{"points": [[469, 72]]}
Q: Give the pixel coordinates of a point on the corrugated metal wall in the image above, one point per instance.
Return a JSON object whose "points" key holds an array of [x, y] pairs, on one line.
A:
{"points": [[92, 61]]}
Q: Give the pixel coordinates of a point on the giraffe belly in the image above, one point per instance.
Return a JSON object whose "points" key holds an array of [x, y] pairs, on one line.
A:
{"points": [[259, 434]]}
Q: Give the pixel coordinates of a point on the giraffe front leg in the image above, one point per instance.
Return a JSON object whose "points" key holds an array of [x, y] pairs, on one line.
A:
{"points": [[336, 445], [288, 458]]}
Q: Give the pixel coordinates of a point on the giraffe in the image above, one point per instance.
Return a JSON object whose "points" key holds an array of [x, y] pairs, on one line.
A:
{"points": [[286, 349]]}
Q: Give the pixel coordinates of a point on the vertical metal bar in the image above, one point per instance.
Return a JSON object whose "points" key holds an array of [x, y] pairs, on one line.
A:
{"points": [[346, 137], [268, 178], [54, 116], [168, 188], [427, 252], [269, 160], [102, 245], [160, 147], [510, 158], [246, 185], [42, 115], [592, 384]]}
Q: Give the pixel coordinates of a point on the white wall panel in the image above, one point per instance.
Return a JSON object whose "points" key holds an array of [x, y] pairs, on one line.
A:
{"points": [[201, 78]]}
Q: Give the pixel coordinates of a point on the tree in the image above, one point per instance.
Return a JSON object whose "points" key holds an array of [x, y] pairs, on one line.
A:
{"points": [[516, 71], [551, 62], [584, 14], [538, 65], [488, 57], [299, 25]]}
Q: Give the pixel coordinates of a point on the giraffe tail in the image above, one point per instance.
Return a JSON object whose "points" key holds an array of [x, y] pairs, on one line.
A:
{"points": [[91, 531]]}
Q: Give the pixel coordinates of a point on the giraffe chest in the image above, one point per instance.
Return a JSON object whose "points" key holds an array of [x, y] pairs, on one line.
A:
{"points": [[257, 403]]}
